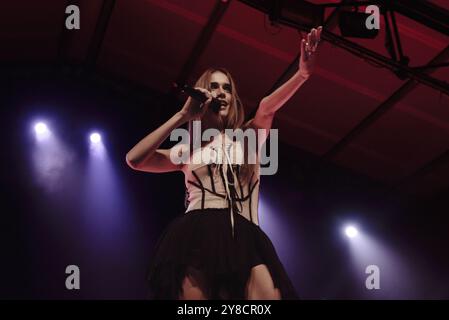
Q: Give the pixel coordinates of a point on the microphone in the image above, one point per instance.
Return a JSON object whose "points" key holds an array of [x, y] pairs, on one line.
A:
{"points": [[199, 96]]}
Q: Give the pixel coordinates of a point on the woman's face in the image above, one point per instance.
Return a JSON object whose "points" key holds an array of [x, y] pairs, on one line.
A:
{"points": [[221, 88]]}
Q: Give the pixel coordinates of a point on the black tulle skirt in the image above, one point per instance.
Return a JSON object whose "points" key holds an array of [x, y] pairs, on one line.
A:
{"points": [[199, 244]]}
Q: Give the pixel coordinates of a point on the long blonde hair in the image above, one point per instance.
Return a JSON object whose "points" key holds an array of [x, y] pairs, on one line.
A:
{"points": [[235, 119]]}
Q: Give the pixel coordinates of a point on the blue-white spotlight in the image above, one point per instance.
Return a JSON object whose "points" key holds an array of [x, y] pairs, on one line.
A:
{"points": [[95, 137], [41, 130], [351, 231], [97, 148], [40, 127]]}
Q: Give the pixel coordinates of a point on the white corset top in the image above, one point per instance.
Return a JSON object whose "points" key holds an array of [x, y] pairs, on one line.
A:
{"points": [[213, 180]]}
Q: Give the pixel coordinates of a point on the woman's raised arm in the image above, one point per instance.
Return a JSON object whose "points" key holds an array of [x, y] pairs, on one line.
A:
{"points": [[273, 102]]}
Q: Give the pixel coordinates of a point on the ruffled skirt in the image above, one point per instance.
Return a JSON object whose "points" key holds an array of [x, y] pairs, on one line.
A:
{"points": [[199, 244]]}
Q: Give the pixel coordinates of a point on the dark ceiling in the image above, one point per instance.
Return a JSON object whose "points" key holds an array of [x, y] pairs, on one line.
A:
{"points": [[150, 43]]}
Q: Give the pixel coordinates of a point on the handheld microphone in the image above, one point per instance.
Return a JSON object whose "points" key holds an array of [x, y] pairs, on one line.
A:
{"points": [[196, 94]]}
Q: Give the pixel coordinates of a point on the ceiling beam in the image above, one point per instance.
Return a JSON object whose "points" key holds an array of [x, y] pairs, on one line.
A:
{"points": [[65, 37], [424, 12], [99, 34], [399, 69], [330, 23], [202, 41], [382, 108]]}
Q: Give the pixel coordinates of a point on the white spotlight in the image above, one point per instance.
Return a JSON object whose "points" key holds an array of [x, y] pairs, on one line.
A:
{"points": [[95, 137], [40, 128], [42, 131], [351, 231]]}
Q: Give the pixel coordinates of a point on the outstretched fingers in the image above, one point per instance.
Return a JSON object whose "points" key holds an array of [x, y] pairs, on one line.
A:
{"points": [[310, 44]]}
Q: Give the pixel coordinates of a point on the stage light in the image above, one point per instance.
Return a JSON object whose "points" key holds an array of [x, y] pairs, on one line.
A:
{"points": [[40, 128], [97, 149], [95, 137], [50, 156], [394, 270], [351, 231]]}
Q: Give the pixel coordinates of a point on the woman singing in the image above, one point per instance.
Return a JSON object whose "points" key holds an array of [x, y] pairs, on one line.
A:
{"points": [[216, 249]]}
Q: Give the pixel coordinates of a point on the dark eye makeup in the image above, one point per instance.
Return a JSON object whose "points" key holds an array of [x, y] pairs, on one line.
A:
{"points": [[226, 87]]}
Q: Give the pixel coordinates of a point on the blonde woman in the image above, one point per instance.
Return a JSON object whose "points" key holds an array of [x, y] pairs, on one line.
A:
{"points": [[216, 249]]}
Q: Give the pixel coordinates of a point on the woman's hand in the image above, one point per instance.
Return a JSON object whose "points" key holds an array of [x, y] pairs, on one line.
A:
{"points": [[194, 109], [309, 52]]}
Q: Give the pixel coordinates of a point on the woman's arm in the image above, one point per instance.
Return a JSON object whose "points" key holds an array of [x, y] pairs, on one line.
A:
{"points": [[145, 155], [273, 102]]}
